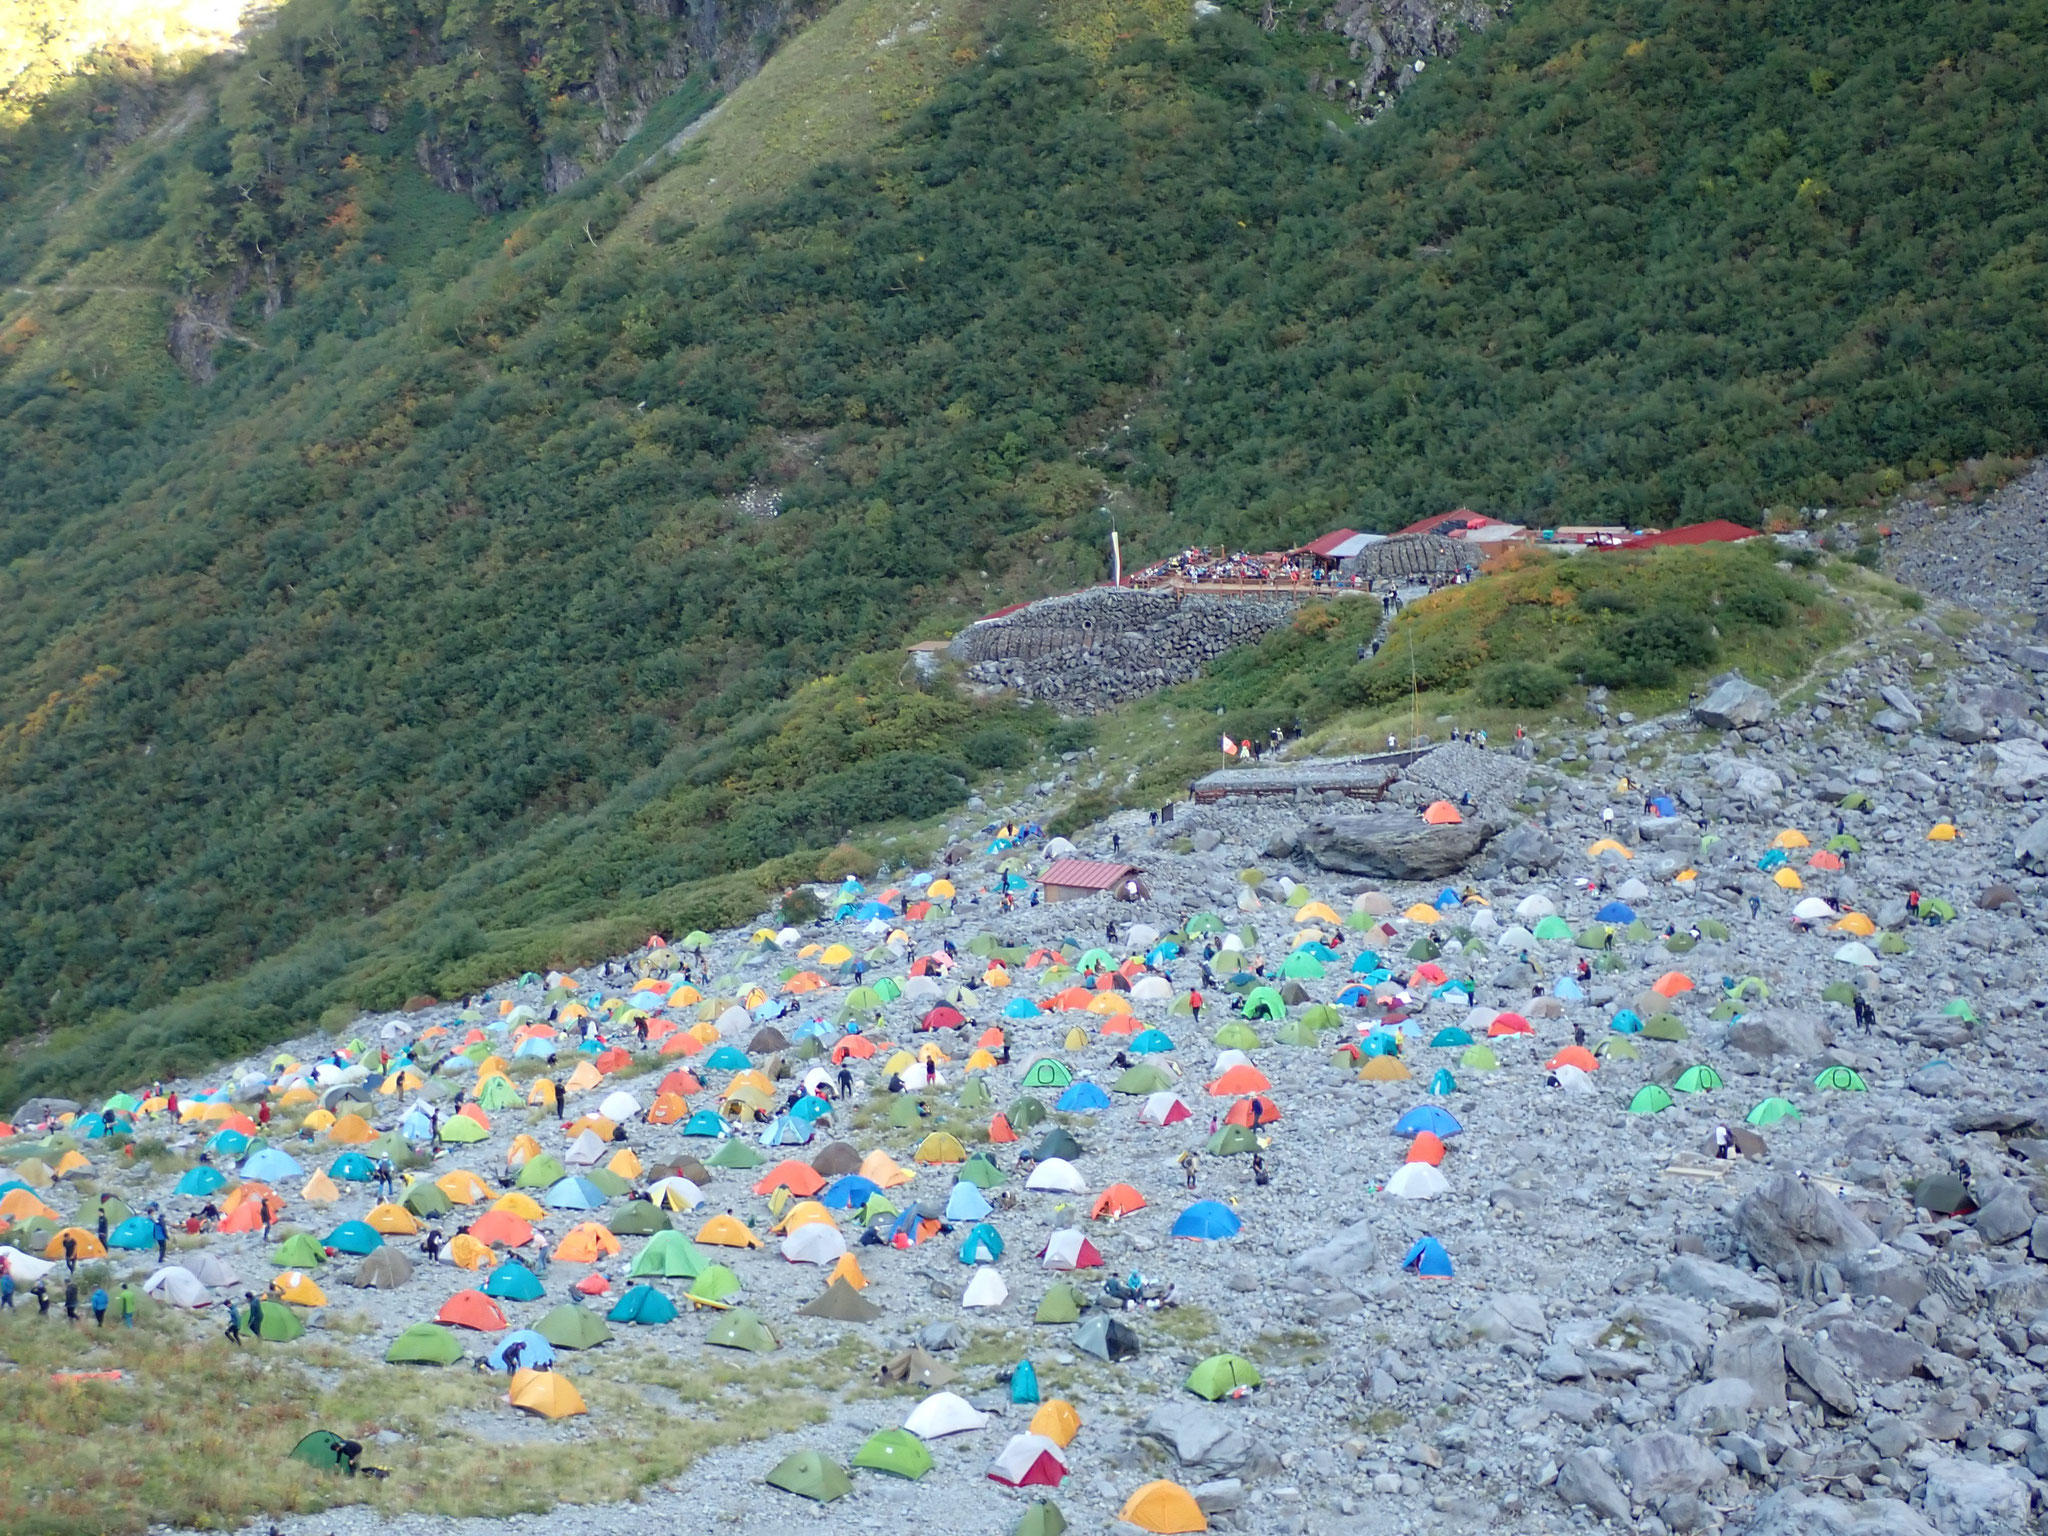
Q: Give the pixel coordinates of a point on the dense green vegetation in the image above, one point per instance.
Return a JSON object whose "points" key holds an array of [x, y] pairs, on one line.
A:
{"points": [[437, 625]]}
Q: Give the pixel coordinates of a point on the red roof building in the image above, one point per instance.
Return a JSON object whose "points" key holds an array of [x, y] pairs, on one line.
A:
{"points": [[1463, 523], [1328, 543], [1070, 879], [1720, 531]]}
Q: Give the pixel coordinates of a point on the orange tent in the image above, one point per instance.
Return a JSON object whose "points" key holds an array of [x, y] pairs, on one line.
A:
{"points": [[20, 1204], [88, 1246], [999, 1130], [1428, 971], [468, 1253], [1831, 862], [727, 1232], [612, 1060], [1120, 1024], [248, 1217], [523, 1147], [801, 1179], [1073, 1000], [586, 1244], [351, 1130], [667, 1109], [1510, 1024], [1427, 1147], [1574, 1056], [681, 1082], [473, 1309], [991, 1038], [475, 1112], [502, 1227], [683, 1044], [1242, 1078], [1117, 1200], [241, 1194], [881, 1169], [848, 1269], [592, 1284], [1671, 983], [859, 1047], [1442, 813], [1241, 1111], [803, 981]]}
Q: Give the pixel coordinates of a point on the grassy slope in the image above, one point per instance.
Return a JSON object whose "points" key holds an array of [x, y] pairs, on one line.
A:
{"points": [[405, 605]]}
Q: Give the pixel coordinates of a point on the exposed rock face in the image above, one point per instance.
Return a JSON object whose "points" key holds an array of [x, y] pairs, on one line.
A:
{"points": [[1394, 846], [1089, 650], [1789, 1221], [1734, 704], [1388, 36]]}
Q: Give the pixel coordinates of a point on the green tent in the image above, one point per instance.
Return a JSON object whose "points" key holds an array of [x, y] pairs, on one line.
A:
{"points": [[1595, 937], [810, 1476], [1146, 1077], [298, 1251], [1232, 1139], [980, 1172], [1553, 928], [1059, 1142], [609, 1182], [1264, 1003], [1713, 928], [975, 1094], [1891, 944], [1424, 949], [1843, 1078], [1664, 1027], [671, 1256], [1236, 1036], [1750, 986], [499, 1093], [639, 1218], [460, 1128], [423, 1344], [887, 989], [1771, 1111], [876, 1206], [865, 1000], [1959, 1008], [736, 1154], [903, 1112], [321, 1450], [1479, 1058], [740, 1329], [896, 1451], [1637, 932], [714, 1285], [1838, 992], [1301, 1032], [1204, 922], [427, 1198], [1697, 1079], [1062, 1304], [1025, 1113], [1302, 967], [1650, 1099], [1042, 1518], [280, 1324], [1298, 898], [572, 1327], [1220, 1375], [540, 1171], [1724, 1011], [1679, 944], [1047, 1072], [1933, 909]]}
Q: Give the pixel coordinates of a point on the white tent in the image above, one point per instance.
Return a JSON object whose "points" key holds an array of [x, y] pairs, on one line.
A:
{"points": [[1632, 889], [1483, 921], [1059, 1176], [1230, 944], [619, 1106], [1478, 1020], [1856, 953], [1417, 1181], [818, 1078], [212, 1271], [815, 1242], [27, 1268], [178, 1286], [1225, 1060], [944, 1413], [735, 1021], [1141, 936], [676, 1194], [1069, 1248], [1535, 907], [1158, 1106], [586, 1150], [920, 987], [986, 1290], [1246, 901], [1015, 1461], [1515, 937], [1574, 1079], [788, 938], [1059, 848], [920, 1074], [1151, 989], [1812, 908]]}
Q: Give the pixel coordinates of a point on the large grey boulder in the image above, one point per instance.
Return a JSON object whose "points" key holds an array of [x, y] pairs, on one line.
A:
{"points": [[1790, 1512], [1741, 1292], [1198, 1436], [2005, 1215], [1751, 1353], [1967, 1497], [1527, 846], [2018, 764], [1393, 845], [1665, 1462], [1780, 1032], [1735, 704], [1820, 1373], [1876, 1354], [2030, 849], [34, 1111], [1788, 1221], [1582, 1480], [1344, 1258], [1964, 722]]}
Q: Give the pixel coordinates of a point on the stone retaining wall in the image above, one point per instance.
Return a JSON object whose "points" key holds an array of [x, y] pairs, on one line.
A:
{"points": [[1091, 650]]}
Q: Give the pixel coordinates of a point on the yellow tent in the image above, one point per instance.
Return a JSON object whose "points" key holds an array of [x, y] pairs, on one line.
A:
{"points": [[805, 1213], [1164, 1507], [753, 1078], [296, 1095], [584, 1078], [493, 1066], [1318, 912], [1077, 1040], [753, 998], [523, 1147], [318, 1120], [626, 1165], [1608, 845], [1384, 1069], [726, 1232], [391, 1220], [848, 1269], [1306, 936], [682, 997], [597, 1123], [72, 1162], [404, 1080], [880, 1169], [298, 1289], [1421, 912], [902, 1061], [320, 1190], [837, 954], [351, 1130], [462, 1186], [981, 1061], [1942, 832], [519, 1203], [941, 1147], [1057, 1421], [941, 889], [545, 1393], [542, 1092], [35, 1171], [931, 1053], [1108, 1002], [1791, 837], [1856, 923], [206, 1109], [995, 976], [469, 1253], [1787, 879]]}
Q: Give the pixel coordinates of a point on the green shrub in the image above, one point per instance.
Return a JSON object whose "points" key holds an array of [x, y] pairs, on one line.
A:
{"points": [[799, 907], [1607, 600], [1521, 685], [847, 860], [1070, 736], [997, 746], [1081, 813]]}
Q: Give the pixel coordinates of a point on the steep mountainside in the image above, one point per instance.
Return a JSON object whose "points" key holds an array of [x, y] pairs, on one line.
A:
{"points": [[465, 521]]}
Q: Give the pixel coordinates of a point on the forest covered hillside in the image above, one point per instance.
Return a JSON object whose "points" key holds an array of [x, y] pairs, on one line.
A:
{"points": [[442, 511]]}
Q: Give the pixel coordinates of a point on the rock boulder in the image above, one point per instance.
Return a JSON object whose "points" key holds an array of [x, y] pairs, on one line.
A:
{"points": [[1788, 1221], [1735, 704], [1394, 845]]}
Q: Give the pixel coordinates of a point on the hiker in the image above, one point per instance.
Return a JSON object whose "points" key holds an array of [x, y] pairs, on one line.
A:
{"points": [[263, 1113], [6, 1290], [41, 1292], [125, 1305], [71, 1301], [845, 1083], [100, 1302], [161, 1231], [1195, 1004], [1756, 905], [1259, 1176], [348, 1455], [1187, 1162], [101, 1226], [385, 1175], [70, 1253], [431, 1243], [1724, 1144], [513, 1351], [1912, 903], [255, 1314]]}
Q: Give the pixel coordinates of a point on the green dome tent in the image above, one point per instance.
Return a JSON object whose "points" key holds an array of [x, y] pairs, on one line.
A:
{"points": [[572, 1327], [1232, 1139], [1235, 1036], [740, 1329], [1666, 1028], [736, 1154], [423, 1344], [1025, 1113], [1553, 928], [1062, 1304], [1650, 1099], [298, 1251], [1771, 1111], [980, 1172], [540, 1172], [321, 1450], [1697, 1079], [1479, 1058], [639, 1218], [427, 1199], [1042, 1519], [1844, 1078], [280, 1324], [1048, 1072], [810, 1476], [1146, 1077], [671, 1256], [1221, 1375], [895, 1451], [1264, 1003], [714, 1285]]}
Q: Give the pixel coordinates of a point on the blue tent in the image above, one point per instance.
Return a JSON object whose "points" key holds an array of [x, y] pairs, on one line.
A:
{"points": [[234, 1143], [1021, 1008], [1162, 952], [873, 909], [1427, 1257], [1443, 1084], [356, 1237], [1626, 1022], [514, 1282], [906, 1223], [812, 1108], [1315, 949], [92, 1128], [1081, 1098], [200, 1179], [786, 1131], [982, 1245], [537, 1354], [1663, 805], [704, 1122], [352, 1166], [416, 1126], [1459, 985], [1024, 1383], [136, 1232], [966, 1203], [536, 1046], [727, 1058], [575, 1194], [848, 1193], [1446, 899], [1617, 912], [1208, 1220], [1356, 997], [1367, 960], [1568, 990], [1450, 1038], [1437, 1121], [270, 1165], [1148, 1041], [642, 1304], [1381, 1043]]}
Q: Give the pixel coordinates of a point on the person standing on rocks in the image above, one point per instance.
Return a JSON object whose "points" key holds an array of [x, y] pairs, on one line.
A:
{"points": [[1187, 1164], [161, 1231]]}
